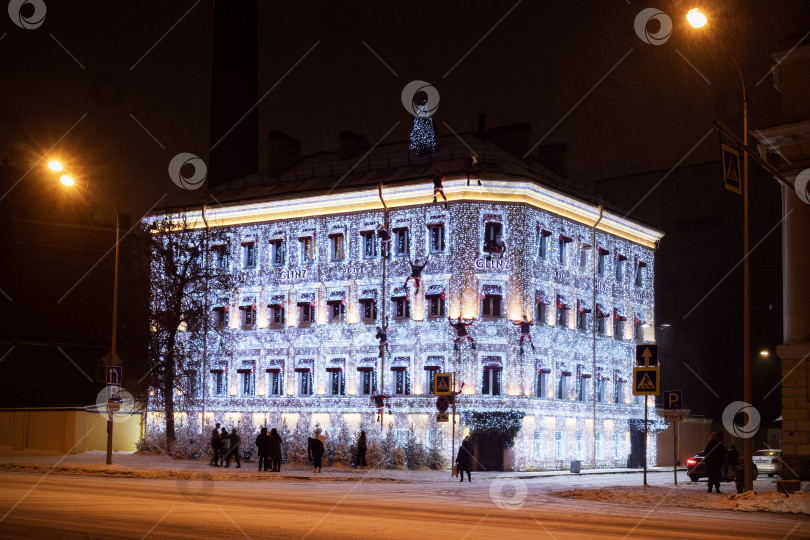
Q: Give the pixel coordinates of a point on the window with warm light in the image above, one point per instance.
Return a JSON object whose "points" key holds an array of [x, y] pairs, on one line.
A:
{"points": [[307, 250], [337, 249]]}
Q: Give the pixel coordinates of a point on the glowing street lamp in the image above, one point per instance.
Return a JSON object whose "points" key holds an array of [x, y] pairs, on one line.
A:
{"points": [[696, 18], [67, 180]]}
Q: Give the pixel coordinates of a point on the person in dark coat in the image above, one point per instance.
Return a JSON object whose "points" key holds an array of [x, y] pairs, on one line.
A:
{"points": [[216, 446], [464, 459], [276, 455], [233, 450], [315, 451], [360, 460], [714, 456], [730, 464], [263, 444]]}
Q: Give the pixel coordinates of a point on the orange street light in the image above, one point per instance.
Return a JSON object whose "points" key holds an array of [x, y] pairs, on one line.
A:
{"points": [[696, 18], [67, 180]]}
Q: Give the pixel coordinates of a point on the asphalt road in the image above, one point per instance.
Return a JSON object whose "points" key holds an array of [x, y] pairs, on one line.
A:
{"points": [[74, 506]]}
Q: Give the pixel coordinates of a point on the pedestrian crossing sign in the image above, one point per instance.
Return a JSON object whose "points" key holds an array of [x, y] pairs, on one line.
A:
{"points": [[647, 381], [443, 384], [732, 180]]}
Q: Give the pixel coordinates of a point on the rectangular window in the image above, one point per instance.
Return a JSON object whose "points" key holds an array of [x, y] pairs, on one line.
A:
{"points": [[436, 305], [369, 239], [337, 247], [249, 255], [582, 321], [430, 379], [306, 314], [540, 314], [220, 317], [491, 384], [618, 388], [307, 250], [402, 382], [246, 382], [219, 382], [541, 385], [491, 305], [368, 382], [542, 244], [278, 252], [436, 233], [337, 312], [402, 308], [277, 316], [493, 239], [275, 386], [247, 315], [601, 267], [562, 316], [190, 383], [639, 278], [638, 329], [562, 385], [337, 383], [368, 310], [620, 262], [582, 386], [221, 258], [601, 320], [402, 242], [583, 255], [561, 253], [304, 383], [600, 386], [618, 328]]}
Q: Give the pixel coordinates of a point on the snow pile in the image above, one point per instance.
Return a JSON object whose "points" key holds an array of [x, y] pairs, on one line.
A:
{"points": [[689, 497]]}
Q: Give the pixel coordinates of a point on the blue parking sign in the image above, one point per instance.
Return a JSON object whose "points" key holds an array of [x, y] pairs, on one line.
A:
{"points": [[673, 400]]}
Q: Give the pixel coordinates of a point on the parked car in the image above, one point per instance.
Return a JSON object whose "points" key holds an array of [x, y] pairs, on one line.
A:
{"points": [[696, 468], [768, 461]]}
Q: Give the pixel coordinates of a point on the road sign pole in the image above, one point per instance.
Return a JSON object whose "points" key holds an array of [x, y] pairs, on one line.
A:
{"points": [[675, 451], [645, 440], [453, 443]]}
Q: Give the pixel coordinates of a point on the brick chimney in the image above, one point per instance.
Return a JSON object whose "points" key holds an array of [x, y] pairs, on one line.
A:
{"points": [[555, 157], [514, 137], [284, 153], [352, 144]]}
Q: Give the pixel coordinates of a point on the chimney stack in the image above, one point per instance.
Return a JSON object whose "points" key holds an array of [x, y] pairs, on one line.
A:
{"points": [[514, 137], [284, 153], [352, 144]]}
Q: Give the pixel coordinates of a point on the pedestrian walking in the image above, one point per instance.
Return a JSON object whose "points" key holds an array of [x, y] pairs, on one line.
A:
{"points": [[360, 460], [263, 444], [233, 449], [224, 445], [315, 450], [276, 455], [714, 456], [216, 446], [464, 459]]}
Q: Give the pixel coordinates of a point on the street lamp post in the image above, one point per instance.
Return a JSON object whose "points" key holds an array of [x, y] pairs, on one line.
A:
{"points": [[67, 180], [698, 20]]}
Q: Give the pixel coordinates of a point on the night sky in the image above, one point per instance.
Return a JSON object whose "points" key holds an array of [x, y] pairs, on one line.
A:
{"points": [[116, 91]]}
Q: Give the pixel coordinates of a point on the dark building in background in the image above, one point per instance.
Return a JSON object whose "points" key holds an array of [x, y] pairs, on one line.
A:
{"points": [[234, 109], [699, 283]]}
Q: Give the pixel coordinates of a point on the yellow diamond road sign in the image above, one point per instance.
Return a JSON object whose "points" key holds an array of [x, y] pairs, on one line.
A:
{"points": [[730, 157], [443, 384], [646, 381]]}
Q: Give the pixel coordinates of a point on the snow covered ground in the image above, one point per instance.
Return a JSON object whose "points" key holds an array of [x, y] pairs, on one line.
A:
{"points": [[615, 486]]}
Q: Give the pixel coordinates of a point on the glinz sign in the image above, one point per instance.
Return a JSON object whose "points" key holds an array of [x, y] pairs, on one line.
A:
{"points": [[294, 274], [491, 264]]}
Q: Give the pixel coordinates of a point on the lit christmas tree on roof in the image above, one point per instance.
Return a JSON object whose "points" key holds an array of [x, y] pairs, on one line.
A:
{"points": [[423, 134]]}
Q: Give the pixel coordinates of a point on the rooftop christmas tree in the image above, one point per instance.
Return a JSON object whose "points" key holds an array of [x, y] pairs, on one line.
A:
{"points": [[423, 134]]}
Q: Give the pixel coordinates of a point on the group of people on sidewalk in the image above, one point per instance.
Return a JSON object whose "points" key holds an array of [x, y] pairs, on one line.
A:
{"points": [[225, 447], [721, 462], [269, 452]]}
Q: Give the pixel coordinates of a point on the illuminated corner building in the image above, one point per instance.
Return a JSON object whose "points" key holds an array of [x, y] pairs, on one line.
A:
{"points": [[296, 339]]}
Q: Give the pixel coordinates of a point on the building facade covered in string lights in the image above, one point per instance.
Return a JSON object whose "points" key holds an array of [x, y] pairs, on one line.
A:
{"points": [[296, 340]]}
